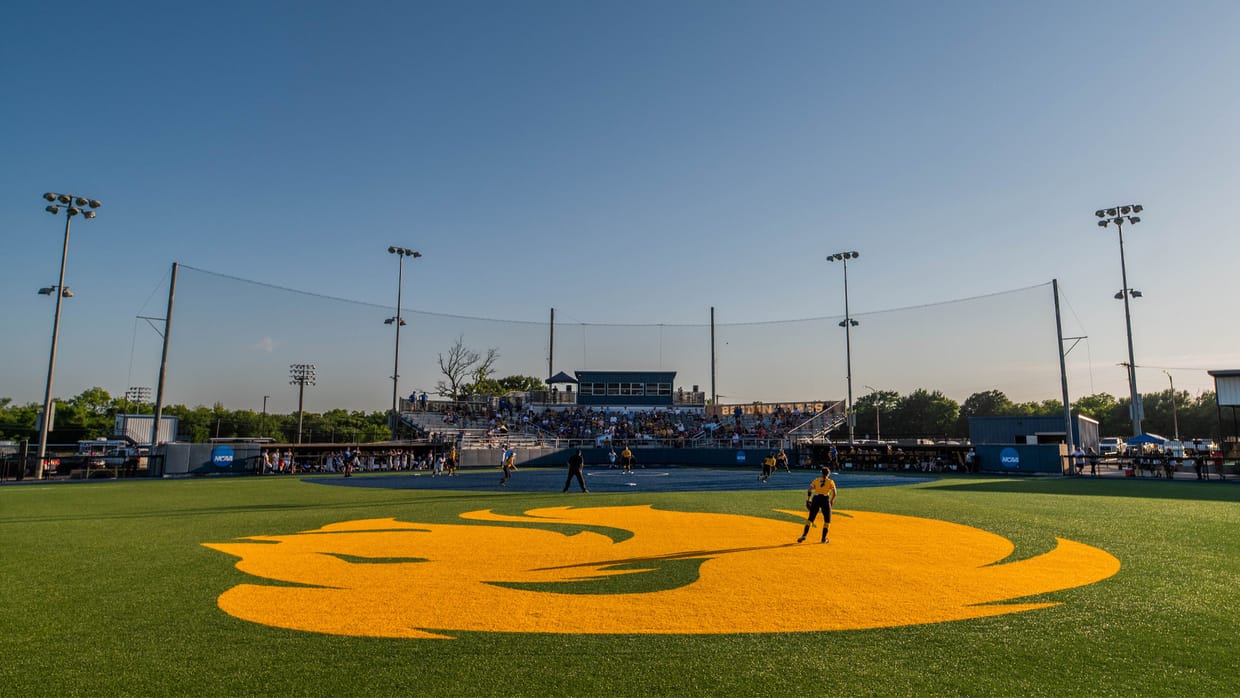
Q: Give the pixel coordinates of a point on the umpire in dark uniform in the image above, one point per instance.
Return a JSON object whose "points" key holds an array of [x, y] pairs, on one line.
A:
{"points": [[575, 465]]}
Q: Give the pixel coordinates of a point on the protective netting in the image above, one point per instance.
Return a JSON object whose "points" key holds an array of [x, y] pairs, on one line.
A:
{"points": [[233, 341]]}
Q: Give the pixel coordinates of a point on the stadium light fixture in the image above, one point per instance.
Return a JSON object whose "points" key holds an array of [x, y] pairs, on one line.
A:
{"points": [[1118, 216], [401, 253], [61, 293], [301, 375], [848, 323]]}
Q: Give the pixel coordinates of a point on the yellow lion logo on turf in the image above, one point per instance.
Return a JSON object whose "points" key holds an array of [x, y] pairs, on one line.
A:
{"points": [[636, 569]]}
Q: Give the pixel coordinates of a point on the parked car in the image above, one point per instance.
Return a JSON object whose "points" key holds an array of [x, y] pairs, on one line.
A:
{"points": [[1112, 446]]}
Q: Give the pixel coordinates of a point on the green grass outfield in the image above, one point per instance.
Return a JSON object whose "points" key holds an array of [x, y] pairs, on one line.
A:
{"points": [[107, 590]]}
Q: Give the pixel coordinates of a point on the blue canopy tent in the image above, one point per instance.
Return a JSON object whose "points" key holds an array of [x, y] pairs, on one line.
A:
{"points": [[1147, 439]]}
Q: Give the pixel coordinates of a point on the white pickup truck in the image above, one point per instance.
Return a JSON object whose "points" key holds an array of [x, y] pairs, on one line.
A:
{"points": [[1112, 446]]}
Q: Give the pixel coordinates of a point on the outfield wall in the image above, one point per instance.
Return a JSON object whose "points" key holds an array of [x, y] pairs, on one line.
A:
{"points": [[1021, 458]]}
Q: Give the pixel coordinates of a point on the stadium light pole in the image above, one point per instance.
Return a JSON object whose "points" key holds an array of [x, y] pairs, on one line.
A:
{"points": [[74, 205], [300, 375], [878, 426], [1117, 216], [138, 394], [400, 253], [847, 323], [1175, 419]]}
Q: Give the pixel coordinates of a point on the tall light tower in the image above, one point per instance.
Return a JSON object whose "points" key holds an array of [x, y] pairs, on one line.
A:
{"points": [[138, 395], [847, 323], [1175, 419], [301, 375], [878, 425], [400, 253], [74, 205], [1117, 216]]}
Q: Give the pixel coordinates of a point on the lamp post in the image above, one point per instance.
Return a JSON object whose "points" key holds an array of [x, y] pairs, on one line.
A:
{"points": [[262, 425], [1118, 216], [1175, 420], [847, 323], [878, 427], [400, 253], [74, 205], [300, 375]]}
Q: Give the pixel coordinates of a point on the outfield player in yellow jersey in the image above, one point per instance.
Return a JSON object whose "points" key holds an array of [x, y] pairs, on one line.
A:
{"points": [[626, 459], [768, 467], [819, 497], [781, 460], [451, 461]]}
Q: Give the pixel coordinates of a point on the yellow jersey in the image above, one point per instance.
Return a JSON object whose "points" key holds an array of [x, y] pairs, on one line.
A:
{"points": [[824, 486]]}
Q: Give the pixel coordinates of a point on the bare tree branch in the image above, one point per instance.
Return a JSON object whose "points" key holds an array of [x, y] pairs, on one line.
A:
{"points": [[456, 368], [484, 370]]}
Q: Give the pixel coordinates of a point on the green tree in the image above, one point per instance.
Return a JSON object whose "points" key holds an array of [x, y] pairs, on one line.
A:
{"points": [[89, 415], [522, 384], [927, 414], [873, 411], [488, 386], [17, 422], [1044, 408], [991, 403], [1199, 418], [1099, 406]]}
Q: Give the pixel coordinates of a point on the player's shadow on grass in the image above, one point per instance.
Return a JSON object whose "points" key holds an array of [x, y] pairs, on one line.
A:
{"points": [[1211, 490]]}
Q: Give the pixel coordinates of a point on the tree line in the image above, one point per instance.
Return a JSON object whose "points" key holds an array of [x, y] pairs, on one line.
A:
{"points": [[924, 413], [92, 414]]}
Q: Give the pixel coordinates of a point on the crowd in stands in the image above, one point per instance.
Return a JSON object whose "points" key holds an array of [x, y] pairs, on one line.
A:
{"points": [[746, 426], [676, 428]]}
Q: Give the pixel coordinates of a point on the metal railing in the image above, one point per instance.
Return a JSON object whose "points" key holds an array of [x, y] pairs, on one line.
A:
{"points": [[816, 428], [1150, 466]]}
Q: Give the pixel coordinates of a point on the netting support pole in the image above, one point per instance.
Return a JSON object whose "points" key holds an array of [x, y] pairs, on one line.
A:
{"points": [[714, 397], [163, 360], [1063, 369], [551, 350]]}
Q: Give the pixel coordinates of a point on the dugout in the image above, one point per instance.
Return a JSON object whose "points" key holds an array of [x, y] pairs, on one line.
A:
{"points": [[217, 458]]}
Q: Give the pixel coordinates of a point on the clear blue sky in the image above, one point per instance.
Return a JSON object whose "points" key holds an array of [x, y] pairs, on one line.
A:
{"points": [[634, 162]]}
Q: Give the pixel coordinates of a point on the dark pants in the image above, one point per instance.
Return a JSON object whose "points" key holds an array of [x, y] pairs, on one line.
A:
{"points": [[822, 503], [580, 481]]}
